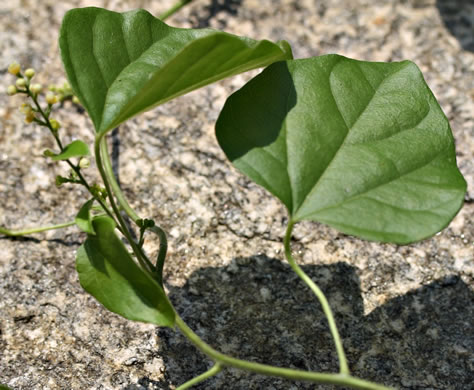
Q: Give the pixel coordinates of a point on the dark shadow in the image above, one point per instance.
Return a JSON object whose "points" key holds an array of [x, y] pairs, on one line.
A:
{"points": [[60, 241], [458, 17], [216, 7], [257, 309]]}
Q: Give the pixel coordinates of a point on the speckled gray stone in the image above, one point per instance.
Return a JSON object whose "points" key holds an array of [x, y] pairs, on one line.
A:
{"points": [[405, 313]]}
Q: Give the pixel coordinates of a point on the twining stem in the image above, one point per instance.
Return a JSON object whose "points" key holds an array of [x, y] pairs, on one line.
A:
{"points": [[258, 368], [214, 370], [114, 184], [343, 366], [117, 191], [24, 232], [142, 259], [174, 8]]}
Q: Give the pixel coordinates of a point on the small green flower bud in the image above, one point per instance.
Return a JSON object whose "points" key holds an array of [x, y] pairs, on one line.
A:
{"points": [[14, 68], [60, 180], [84, 163], [29, 117], [98, 191], [51, 98], [20, 83], [36, 88], [76, 100], [48, 153], [55, 124], [52, 88], [30, 73], [11, 90], [25, 108]]}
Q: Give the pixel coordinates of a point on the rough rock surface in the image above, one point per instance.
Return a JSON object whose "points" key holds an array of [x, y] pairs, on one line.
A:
{"points": [[405, 313]]}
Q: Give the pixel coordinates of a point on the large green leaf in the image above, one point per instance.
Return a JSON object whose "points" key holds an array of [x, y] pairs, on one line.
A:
{"points": [[361, 146], [107, 271], [120, 64]]}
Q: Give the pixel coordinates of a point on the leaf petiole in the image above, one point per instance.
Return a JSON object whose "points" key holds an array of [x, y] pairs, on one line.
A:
{"points": [[174, 8], [343, 366]]}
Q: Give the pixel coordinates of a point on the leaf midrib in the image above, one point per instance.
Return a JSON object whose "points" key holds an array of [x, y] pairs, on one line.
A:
{"points": [[318, 181]]}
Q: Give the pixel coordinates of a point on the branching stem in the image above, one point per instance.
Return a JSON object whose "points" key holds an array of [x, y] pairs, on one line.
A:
{"points": [[258, 368], [142, 259], [117, 191], [214, 370]]}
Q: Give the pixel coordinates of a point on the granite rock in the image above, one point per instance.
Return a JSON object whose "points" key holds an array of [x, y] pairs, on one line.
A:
{"points": [[405, 312]]}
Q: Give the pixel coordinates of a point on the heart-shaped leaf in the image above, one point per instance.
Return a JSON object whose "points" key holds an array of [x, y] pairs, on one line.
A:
{"points": [[107, 272], [361, 146], [122, 64], [74, 149]]}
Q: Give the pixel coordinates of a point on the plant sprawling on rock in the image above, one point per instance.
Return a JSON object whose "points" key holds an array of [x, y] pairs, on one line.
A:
{"points": [[361, 146]]}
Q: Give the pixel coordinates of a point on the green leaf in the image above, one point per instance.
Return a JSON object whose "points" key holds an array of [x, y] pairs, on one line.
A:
{"points": [[361, 146], [4, 387], [120, 64], [83, 218], [107, 271], [74, 149]]}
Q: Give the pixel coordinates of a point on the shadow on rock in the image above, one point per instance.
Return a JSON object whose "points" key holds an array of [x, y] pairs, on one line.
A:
{"points": [[226, 7], [257, 309], [458, 17]]}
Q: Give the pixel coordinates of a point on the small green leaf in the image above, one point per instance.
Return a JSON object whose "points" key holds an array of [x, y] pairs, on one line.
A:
{"points": [[4, 387], [84, 219], [361, 146], [74, 149], [108, 272], [122, 64]]}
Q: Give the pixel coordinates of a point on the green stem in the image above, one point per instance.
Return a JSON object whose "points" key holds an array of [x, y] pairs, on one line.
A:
{"points": [[144, 262], [258, 368], [24, 232], [174, 8], [160, 261], [117, 191], [214, 370], [343, 366], [114, 184]]}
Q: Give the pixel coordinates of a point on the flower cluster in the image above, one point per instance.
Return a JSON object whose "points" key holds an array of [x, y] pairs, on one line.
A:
{"points": [[38, 109], [54, 94]]}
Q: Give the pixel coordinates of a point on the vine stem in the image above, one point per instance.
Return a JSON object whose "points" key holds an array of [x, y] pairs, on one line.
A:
{"points": [[214, 370], [143, 260], [264, 369], [343, 366], [117, 191], [174, 8], [24, 232]]}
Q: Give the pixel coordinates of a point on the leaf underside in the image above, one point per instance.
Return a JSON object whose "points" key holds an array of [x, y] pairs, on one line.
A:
{"points": [[107, 272], [361, 146], [120, 64]]}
